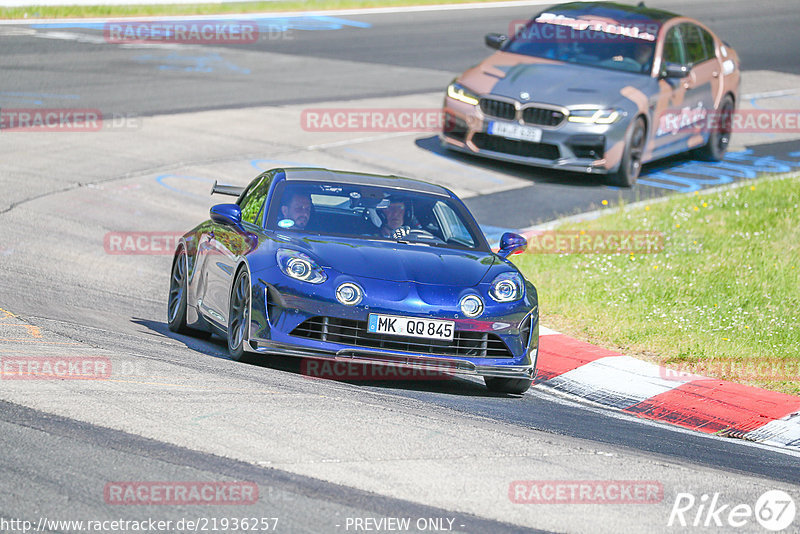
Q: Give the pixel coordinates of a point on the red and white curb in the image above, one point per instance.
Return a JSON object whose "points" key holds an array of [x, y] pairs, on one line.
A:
{"points": [[653, 392]]}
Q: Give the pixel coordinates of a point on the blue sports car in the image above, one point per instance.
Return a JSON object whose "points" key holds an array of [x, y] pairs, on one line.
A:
{"points": [[357, 267]]}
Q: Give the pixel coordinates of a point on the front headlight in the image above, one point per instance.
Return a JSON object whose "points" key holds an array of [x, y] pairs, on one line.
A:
{"points": [[595, 116], [507, 287], [297, 265], [458, 92]]}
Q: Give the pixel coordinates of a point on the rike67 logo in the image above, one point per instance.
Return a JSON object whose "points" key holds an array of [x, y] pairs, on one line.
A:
{"points": [[774, 510]]}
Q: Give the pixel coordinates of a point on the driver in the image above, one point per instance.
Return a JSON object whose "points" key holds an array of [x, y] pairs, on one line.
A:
{"points": [[297, 207], [642, 55], [394, 216]]}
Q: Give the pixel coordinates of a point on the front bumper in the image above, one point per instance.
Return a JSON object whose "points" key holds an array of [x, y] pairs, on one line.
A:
{"points": [[568, 146], [404, 360], [286, 319]]}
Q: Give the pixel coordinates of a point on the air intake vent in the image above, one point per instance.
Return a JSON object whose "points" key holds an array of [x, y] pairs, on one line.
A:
{"points": [[354, 333]]}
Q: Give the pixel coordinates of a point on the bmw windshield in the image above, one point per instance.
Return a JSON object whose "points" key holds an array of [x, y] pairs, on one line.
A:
{"points": [[626, 47]]}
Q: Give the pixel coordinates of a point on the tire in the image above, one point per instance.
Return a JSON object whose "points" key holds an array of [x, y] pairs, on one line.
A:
{"points": [[720, 138], [176, 302], [631, 163], [239, 317], [517, 386]]}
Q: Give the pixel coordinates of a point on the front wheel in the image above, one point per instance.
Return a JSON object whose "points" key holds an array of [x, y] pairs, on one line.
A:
{"points": [[517, 386], [239, 317], [631, 164], [176, 303]]}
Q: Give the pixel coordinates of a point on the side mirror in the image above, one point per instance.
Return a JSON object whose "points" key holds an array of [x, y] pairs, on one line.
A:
{"points": [[227, 214], [511, 243], [673, 70], [495, 40]]}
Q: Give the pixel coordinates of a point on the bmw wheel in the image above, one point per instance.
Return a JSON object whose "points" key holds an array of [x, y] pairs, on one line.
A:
{"points": [[631, 163]]}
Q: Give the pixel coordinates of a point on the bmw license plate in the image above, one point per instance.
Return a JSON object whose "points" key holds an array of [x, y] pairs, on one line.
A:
{"points": [[515, 131], [410, 326]]}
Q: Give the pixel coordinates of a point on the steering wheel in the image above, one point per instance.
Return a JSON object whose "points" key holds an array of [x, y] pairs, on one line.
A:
{"points": [[405, 231]]}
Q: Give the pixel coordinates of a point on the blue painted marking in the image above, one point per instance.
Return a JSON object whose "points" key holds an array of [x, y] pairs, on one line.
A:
{"points": [[176, 61], [160, 180], [264, 22], [688, 186], [735, 165], [34, 98]]}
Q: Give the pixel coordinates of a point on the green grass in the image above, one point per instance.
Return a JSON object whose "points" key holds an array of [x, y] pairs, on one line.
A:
{"points": [[721, 299], [35, 12]]}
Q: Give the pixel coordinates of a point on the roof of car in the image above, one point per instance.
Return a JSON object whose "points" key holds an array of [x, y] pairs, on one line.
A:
{"points": [[613, 10], [357, 178]]}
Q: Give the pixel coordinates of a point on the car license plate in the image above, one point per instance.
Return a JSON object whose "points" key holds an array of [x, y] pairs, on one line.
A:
{"points": [[410, 326], [515, 131]]}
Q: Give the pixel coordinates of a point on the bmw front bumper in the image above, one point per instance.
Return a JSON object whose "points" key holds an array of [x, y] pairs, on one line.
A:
{"points": [[568, 146]]}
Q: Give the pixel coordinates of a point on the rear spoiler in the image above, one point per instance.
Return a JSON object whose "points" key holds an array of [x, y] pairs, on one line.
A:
{"points": [[231, 190]]}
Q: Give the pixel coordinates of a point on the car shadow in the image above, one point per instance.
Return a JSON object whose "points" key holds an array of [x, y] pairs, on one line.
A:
{"points": [[527, 172], [328, 370]]}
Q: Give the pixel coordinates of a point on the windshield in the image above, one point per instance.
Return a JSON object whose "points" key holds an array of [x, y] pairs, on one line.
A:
{"points": [[608, 46], [373, 213]]}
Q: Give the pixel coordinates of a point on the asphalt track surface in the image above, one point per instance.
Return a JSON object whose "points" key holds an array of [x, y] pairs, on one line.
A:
{"points": [[320, 451]]}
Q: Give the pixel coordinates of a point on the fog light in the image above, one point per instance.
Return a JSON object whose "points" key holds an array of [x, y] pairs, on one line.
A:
{"points": [[349, 294], [472, 306]]}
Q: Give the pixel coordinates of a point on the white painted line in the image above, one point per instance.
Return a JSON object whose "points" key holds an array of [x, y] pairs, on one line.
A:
{"points": [[275, 14], [358, 140], [544, 331], [616, 381]]}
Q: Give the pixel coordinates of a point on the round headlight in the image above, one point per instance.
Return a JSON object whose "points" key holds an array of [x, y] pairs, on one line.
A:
{"points": [[472, 305], [505, 290], [349, 294], [507, 287], [299, 268]]}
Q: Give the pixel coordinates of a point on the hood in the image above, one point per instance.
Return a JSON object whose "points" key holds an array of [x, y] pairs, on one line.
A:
{"points": [[550, 82], [399, 262]]}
